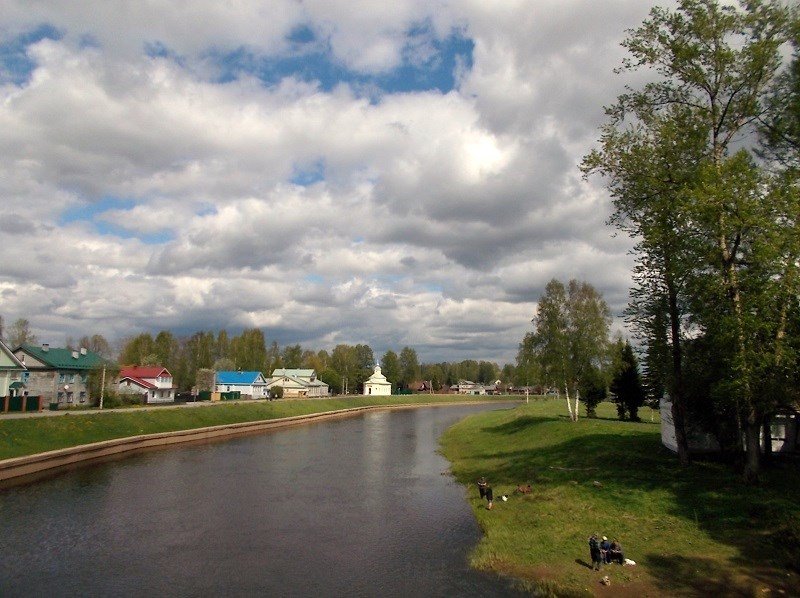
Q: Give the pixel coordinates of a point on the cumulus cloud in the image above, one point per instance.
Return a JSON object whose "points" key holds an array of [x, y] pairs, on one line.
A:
{"points": [[141, 190]]}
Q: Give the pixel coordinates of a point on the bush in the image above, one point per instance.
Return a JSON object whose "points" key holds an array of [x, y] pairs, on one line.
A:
{"points": [[276, 392]]}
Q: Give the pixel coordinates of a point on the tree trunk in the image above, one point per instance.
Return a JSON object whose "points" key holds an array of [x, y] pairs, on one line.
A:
{"points": [[752, 432], [577, 396], [767, 438], [678, 399], [569, 405]]}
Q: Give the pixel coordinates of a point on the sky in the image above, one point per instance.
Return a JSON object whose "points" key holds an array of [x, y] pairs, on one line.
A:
{"points": [[396, 174]]}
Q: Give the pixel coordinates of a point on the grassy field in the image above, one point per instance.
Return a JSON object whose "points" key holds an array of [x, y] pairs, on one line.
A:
{"points": [[697, 531], [28, 436]]}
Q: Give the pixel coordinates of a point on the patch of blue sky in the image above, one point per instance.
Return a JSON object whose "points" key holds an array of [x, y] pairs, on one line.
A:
{"points": [[113, 230], [88, 212], [91, 214], [16, 65], [306, 175], [314, 278], [428, 64]]}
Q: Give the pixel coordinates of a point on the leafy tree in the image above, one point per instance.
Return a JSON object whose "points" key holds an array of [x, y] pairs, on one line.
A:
{"points": [[292, 356], [594, 390], [166, 348], [343, 361], [20, 333], [780, 125], [409, 366], [487, 372], [365, 363], [138, 350], [626, 387], [97, 344], [224, 364], [714, 66], [332, 378], [222, 347], [571, 337], [469, 369], [508, 373], [434, 374], [527, 372], [249, 351], [390, 367]]}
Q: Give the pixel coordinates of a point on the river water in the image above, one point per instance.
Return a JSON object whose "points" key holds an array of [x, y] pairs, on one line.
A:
{"points": [[354, 507]]}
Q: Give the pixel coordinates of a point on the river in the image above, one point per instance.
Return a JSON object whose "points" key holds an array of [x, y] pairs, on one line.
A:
{"points": [[355, 507]]}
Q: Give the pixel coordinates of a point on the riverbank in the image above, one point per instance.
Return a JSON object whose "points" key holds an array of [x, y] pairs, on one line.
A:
{"points": [[696, 531], [32, 435]]}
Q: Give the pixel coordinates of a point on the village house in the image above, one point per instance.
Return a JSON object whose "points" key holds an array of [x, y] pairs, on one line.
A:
{"points": [[251, 385], [61, 375], [153, 383], [783, 431], [465, 387], [11, 372], [377, 384], [298, 383]]}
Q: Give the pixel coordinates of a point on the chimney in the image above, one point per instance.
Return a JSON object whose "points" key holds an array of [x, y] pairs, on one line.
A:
{"points": [[74, 355], [83, 350], [45, 347]]}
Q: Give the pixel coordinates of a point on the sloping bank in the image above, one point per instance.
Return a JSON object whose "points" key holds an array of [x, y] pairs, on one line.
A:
{"points": [[44, 445], [693, 531]]}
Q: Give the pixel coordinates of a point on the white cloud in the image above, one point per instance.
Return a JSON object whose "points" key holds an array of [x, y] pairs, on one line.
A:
{"points": [[438, 218]]}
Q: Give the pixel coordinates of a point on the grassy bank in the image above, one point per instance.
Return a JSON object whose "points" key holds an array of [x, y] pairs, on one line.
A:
{"points": [[28, 436], [696, 531]]}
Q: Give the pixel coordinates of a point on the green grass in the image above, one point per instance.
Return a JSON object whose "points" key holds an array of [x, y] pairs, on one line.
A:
{"points": [[29, 436], [692, 531]]}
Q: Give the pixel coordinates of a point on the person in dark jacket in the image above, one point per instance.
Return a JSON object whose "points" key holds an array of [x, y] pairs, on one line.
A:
{"points": [[604, 547], [594, 552], [485, 491]]}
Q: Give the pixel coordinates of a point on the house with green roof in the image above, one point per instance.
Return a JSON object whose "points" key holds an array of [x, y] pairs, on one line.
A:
{"points": [[11, 370], [61, 375], [298, 383]]}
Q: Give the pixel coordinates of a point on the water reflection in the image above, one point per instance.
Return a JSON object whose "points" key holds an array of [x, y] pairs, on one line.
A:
{"points": [[355, 507]]}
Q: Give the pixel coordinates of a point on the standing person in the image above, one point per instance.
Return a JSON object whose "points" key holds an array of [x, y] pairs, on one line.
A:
{"points": [[605, 546], [486, 492], [594, 552]]}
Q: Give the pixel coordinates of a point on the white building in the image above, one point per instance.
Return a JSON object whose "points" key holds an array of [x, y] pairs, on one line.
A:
{"points": [[377, 384], [154, 383], [250, 384], [298, 383]]}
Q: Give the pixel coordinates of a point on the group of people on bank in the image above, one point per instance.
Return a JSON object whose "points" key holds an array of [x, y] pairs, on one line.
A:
{"points": [[604, 552], [601, 551]]}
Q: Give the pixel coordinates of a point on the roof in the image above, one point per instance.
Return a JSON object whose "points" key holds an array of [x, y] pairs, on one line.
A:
{"points": [[62, 359], [292, 373], [238, 377], [143, 371], [15, 364], [139, 382], [16, 385]]}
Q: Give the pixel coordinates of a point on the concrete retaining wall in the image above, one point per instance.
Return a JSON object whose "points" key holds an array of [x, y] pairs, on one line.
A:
{"points": [[21, 469]]}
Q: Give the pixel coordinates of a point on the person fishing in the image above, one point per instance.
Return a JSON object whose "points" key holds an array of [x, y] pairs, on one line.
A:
{"points": [[485, 491]]}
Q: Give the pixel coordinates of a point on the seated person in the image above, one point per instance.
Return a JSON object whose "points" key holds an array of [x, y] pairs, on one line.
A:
{"points": [[604, 546], [523, 489], [615, 552]]}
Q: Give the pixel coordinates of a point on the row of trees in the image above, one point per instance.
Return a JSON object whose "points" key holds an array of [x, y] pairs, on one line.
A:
{"points": [[344, 369], [702, 164], [571, 350]]}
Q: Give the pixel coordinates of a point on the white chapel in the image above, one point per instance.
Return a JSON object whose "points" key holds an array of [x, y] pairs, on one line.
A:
{"points": [[377, 384]]}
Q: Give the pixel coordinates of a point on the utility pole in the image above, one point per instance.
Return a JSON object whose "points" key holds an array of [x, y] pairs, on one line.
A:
{"points": [[102, 386]]}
